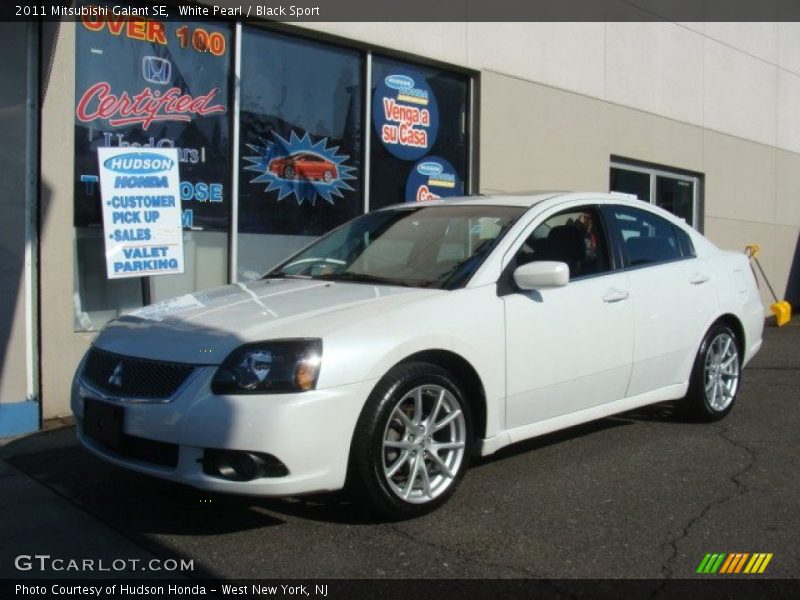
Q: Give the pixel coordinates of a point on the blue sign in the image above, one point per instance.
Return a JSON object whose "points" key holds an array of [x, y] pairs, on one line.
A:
{"points": [[405, 114], [137, 163], [431, 178], [141, 212]]}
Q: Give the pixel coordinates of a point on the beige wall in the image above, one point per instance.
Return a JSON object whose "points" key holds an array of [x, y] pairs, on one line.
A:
{"points": [[61, 348], [559, 140]]}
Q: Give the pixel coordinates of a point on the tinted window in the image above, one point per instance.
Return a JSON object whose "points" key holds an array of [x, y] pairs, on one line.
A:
{"points": [[685, 242], [631, 182], [574, 237], [647, 238], [301, 146], [301, 102], [676, 196]]}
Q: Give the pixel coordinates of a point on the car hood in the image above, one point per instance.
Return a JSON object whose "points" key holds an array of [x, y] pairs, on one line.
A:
{"points": [[204, 327]]}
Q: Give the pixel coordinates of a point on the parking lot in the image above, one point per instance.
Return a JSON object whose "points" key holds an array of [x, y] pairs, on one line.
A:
{"points": [[641, 495]]}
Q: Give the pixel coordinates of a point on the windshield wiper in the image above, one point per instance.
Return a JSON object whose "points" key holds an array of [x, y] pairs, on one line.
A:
{"points": [[362, 278]]}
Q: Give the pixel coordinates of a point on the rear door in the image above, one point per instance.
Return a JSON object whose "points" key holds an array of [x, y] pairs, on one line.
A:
{"points": [[568, 348], [672, 295]]}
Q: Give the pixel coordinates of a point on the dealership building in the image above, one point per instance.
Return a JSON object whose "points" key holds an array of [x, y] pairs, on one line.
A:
{"points": [[283, 132]]}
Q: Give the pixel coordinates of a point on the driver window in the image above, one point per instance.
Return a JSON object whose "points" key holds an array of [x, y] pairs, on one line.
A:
{"points": [[575, 237]]}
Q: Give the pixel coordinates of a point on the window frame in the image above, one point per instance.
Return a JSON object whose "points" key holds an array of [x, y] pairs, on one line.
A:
{"points": [[654, 171]]}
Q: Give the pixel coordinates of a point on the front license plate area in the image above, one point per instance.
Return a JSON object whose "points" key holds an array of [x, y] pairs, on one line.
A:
{"points": [[103, 422]]}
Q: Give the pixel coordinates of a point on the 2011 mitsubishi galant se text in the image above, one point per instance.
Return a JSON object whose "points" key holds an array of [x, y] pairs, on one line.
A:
{"points": [[388, 352]]}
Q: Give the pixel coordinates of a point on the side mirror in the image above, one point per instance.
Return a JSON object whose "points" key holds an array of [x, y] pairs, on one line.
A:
{"points": [[540, 275]]}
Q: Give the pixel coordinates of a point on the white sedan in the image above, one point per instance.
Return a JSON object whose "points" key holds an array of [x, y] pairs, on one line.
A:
{"points": [[387, 353]]}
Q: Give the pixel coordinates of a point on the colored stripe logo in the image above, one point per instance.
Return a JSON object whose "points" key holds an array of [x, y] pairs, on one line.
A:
{"points": [[734, 563]]}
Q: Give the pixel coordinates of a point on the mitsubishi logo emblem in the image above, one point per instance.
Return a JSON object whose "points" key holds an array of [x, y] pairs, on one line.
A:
{"points": [[116, 376]]}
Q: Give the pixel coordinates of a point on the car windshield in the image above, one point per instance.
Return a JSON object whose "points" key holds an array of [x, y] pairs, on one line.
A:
{"points": [[433, 246]]}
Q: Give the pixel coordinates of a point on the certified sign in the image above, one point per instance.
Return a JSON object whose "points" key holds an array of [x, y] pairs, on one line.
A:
{"points": [[141, 211]]}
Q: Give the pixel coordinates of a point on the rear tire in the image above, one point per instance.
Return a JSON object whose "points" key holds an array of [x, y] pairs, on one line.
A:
{"points": [[412, 442], [715, 377]]}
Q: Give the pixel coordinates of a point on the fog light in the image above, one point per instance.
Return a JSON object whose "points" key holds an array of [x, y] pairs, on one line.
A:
{"points": [[237, 465]]}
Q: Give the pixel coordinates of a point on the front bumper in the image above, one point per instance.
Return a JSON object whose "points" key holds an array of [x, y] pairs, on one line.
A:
{"points": [[310, 433]]}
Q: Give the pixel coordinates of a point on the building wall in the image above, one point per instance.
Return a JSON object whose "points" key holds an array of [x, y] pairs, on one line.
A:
{"points": [[742, 79], [751, 189], [61, 348], [556, 101]]}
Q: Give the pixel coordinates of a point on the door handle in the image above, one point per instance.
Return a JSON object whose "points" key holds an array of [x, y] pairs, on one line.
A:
{"points": [[616, 296], [697, 278]]}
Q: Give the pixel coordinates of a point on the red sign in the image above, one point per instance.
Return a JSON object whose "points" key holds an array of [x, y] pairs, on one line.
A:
{"points": [[98, 102]]}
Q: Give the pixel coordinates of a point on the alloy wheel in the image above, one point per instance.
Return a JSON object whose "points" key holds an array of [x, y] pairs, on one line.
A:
{"points": [[722, 371], [423, 444]]}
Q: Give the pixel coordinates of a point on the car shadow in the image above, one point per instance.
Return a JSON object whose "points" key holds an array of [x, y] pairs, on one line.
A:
{"points": [[664, 412], [138, 506]]}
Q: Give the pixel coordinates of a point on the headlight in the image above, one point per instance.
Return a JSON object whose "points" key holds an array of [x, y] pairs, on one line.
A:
{"points": [[270, 367]]}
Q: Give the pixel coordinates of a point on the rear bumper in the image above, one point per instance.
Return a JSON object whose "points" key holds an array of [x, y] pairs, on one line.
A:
{"points": [[310, 433]]}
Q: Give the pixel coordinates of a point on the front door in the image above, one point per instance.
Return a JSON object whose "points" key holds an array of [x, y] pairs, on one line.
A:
{"points": [[568, 348]]}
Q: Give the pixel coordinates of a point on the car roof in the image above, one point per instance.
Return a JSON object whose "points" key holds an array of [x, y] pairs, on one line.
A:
{"points": [[522, 199]]}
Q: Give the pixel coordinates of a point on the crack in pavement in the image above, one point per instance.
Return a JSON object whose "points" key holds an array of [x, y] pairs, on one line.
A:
{"points": [[739, 489], [461, 554]]}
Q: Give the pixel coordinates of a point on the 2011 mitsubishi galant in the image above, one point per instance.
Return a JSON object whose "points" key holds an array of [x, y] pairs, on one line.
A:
{"points": [[390, 351]]}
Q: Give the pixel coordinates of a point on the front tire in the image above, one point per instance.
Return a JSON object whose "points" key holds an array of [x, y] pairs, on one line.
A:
{"points": [[715, 376], [412, 442]]}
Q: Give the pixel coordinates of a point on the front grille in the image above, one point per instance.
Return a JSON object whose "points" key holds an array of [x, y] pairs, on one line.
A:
{"points": [[130, 377]]}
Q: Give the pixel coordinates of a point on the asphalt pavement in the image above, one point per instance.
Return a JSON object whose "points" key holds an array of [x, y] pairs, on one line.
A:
{"points": [[641, 495]]}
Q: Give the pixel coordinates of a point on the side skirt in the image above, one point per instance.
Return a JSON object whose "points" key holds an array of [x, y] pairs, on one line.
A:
{"points": [[518, 434]]}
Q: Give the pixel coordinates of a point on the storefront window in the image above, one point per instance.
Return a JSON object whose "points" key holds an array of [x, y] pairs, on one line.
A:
{"points": [[145, 84], [300, 166], [673, 190], [419, 148], [152, 84]]}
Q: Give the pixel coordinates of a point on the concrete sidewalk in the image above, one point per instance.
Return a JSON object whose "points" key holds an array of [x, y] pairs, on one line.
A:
{"points": [[36, 520]]}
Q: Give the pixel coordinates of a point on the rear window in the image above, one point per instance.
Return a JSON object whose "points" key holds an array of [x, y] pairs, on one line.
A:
{"points": [[647, 238]]}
